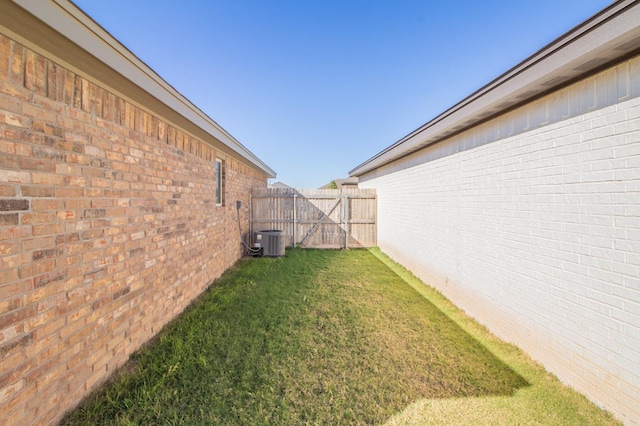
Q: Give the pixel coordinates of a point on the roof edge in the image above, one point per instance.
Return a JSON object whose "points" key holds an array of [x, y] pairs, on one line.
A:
{"points": [[573, 55], [64, 17]]}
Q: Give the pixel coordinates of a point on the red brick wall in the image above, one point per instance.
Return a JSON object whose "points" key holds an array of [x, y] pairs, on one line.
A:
{"points": [[108, 229]]}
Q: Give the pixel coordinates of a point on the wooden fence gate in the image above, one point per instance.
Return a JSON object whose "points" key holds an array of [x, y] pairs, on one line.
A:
{"points": [[318, 218]]}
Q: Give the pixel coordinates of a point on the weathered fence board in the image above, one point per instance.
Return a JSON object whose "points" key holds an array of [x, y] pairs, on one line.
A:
{"points": [[320, 218]]}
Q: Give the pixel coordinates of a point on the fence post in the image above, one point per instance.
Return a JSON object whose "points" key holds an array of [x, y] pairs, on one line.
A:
{"points": [[345, 220], [295, 216]]}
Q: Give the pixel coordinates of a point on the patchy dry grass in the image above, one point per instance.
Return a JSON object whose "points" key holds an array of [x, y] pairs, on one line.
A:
{"points": [[328, 337], [545, 401]]}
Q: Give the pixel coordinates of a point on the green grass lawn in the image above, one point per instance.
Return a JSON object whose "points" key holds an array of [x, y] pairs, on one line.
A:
{"points": [[329, 337]]}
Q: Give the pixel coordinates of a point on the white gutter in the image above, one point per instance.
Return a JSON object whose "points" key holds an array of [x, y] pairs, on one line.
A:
{"points": [[608, 36]]}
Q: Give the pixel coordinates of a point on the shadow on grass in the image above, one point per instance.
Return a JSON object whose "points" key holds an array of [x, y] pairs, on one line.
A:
{"points": [[314, 337]]}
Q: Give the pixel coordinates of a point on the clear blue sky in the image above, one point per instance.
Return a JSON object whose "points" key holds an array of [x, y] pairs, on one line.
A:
{"points": [[316, 87]]}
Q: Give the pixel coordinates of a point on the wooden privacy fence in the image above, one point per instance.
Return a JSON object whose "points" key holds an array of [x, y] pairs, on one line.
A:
{"points": [[318, 218]]}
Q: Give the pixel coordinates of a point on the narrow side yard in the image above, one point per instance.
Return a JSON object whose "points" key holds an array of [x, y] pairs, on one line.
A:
{"points": [[329, 337]]}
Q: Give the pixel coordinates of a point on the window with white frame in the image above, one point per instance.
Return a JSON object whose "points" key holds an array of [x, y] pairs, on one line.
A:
{"points": [[219, 182]]}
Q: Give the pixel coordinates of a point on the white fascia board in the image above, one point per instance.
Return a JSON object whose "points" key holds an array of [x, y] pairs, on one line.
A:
{"points": [[67, 19], [594, 39]]}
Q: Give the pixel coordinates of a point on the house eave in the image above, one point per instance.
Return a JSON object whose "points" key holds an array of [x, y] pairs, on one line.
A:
{"points": [[608, 37], [56, 28]]}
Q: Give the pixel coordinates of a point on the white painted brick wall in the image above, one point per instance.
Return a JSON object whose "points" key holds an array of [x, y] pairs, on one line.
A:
{"points": [[538, 237]]}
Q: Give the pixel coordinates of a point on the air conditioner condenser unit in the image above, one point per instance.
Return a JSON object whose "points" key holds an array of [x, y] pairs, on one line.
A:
{"points": [[270, 241]]}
